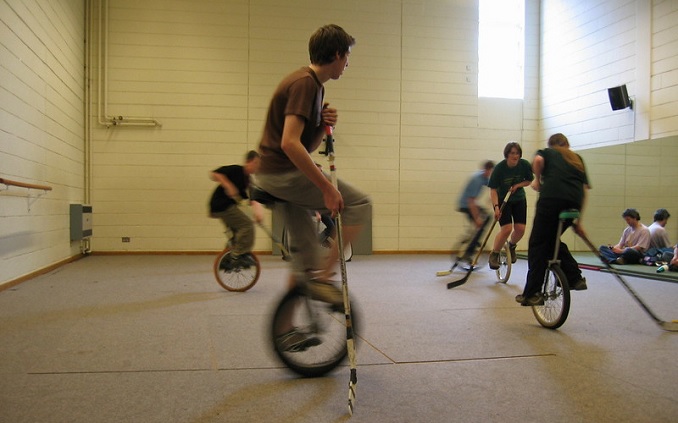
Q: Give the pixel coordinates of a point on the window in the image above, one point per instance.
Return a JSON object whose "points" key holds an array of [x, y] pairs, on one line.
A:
{"points": [[501, 48]]}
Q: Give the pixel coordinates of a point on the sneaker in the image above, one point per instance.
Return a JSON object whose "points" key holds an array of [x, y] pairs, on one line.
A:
{"points": [[580, 285], [230, 262], [245, 261], [295, 341], [494, 260], [512, 249], [226, 263], [324, 291], [535, 300], [620, 260]]}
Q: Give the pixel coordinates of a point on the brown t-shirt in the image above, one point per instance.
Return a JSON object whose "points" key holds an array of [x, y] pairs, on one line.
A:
{"points": [[300, 93]]}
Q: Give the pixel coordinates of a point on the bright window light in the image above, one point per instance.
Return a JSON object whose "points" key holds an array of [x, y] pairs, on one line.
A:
{"points": [[501, 48]]}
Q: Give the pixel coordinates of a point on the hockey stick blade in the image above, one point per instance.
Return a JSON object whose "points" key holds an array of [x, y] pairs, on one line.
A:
{"points": [[670, 326], [353, 381], [461, 281], [448, 272]]}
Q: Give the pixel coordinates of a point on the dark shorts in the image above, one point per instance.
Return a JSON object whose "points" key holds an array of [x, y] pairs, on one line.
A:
{"points": [[514, 212]]}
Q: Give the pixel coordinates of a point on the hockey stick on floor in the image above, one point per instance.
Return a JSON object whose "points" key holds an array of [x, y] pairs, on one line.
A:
{"points": [[472, 266], [668, 326], [350, 336]]}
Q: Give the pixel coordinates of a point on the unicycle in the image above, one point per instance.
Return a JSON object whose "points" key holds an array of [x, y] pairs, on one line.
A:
{"points": [[323, 327], [239, 275], [504, 271], [312, 337], [555, 291]]}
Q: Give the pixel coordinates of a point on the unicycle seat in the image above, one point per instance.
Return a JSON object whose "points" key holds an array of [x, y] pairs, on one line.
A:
{"points": [[260, 196], [570, 214]]}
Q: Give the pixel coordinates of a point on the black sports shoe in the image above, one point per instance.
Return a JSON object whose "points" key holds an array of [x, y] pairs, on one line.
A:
{"points": [[535, 300], [580, 285], [226, 263], [245, 261]]}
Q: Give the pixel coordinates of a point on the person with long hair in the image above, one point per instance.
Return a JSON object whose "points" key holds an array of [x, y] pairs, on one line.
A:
{"points": [[561, 180]]}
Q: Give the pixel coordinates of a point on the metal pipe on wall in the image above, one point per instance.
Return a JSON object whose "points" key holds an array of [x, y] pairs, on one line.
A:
{"points": [[102, 80]]}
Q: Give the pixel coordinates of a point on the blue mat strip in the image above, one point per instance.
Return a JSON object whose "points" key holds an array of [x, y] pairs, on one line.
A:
{"points": [[589, 261]]}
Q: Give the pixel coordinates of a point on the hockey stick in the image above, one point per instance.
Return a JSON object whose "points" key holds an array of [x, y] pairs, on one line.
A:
{"points": [[285, 254], [472, 266], [668, 326], [350, 340], [459, 258]]}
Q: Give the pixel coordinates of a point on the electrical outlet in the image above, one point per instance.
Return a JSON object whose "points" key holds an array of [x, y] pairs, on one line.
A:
{"points": [[126, 239]]}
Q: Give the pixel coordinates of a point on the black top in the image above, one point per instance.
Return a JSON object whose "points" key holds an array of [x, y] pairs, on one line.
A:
{"points": [[220, 201], [560, 179]]}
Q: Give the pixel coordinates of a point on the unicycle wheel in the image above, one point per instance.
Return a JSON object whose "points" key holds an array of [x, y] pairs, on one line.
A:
{"points": [[556, 293], [309, 336], [504, 271], [238, 277]]}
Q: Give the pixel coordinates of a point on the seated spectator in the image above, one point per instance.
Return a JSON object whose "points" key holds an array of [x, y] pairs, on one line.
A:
{"points": [[673, 263], [634, 242], [659, 238], [660, 249]]}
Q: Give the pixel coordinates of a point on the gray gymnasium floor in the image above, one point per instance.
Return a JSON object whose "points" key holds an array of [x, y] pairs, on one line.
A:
{"points": [[147, 339]]}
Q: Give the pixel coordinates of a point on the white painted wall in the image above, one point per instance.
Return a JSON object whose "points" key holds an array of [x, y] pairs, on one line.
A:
{"points": [[42, 123], [411, 127], [410, 120], [664, 69], [588, 47]]}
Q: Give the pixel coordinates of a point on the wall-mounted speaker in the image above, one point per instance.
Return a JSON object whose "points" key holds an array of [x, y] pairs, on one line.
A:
{"points": [[619, 97]]}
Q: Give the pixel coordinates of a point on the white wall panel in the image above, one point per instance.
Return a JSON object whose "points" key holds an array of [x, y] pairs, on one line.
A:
{"points": [[664, 82], [41, 131]]}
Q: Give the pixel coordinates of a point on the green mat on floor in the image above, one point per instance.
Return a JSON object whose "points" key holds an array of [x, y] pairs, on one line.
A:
{"points": [[591, 262]]}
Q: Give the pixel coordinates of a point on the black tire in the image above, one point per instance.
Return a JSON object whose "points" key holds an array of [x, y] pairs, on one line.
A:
{"points": [[556, 293], [238, 279], [316, 320], [504, 271]]}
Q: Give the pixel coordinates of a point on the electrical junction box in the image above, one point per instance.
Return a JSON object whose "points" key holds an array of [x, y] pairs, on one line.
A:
{"points": [[81, 221]]}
